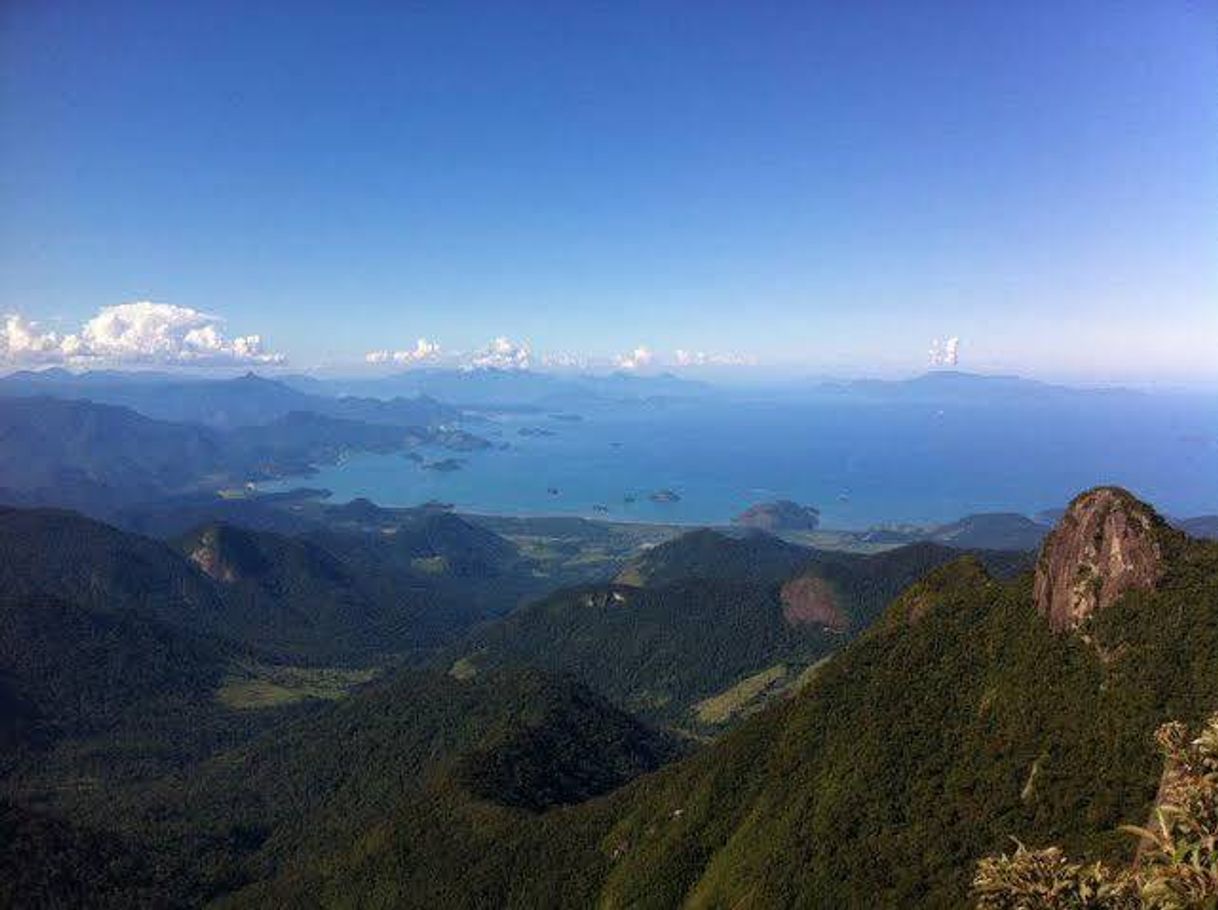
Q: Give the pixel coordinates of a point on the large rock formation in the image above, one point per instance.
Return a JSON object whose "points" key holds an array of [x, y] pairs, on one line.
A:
{"points": [[1107, 543], [783, 515]]}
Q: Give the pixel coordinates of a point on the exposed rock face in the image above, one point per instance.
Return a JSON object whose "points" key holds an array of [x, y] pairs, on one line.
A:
{"points": [[207, 557], [810, 601], [1107, 543], [227, 554]]}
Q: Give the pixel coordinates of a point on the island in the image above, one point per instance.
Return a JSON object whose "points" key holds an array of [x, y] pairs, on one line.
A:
{"points": [[782, 515], [461, 441], [445, 465]]}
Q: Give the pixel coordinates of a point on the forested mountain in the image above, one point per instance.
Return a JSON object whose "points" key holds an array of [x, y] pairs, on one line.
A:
{"points": [[326, 596], [126, 660], [296, 600], [105, 459], [975, 708], [421, 756], [68, 557], [992, 531], [711, 627], [962, 719], [708, 555], [98, 457], [112, 650]]}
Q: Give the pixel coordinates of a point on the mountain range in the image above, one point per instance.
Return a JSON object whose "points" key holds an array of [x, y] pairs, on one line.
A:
{"points": [[244, 401], [953, 702], [213, 695], [101, 458]]}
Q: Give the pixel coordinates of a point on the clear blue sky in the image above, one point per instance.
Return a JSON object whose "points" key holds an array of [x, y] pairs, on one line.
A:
{"points": [[828, 185]]}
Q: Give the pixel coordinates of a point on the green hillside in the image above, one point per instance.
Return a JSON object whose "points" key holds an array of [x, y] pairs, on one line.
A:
{"points": [[317, 600], [707, 613], [458, 775], [959, 721]]}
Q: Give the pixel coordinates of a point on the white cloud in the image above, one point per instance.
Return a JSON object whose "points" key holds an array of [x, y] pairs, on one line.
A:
{"points": [[22, 341], [422, 351], [502, 354], [638, 359], [945, 353], [140, 332], [703, 359]]}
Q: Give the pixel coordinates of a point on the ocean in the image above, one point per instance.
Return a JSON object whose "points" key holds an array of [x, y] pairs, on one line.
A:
{"points": [[861, 462]]}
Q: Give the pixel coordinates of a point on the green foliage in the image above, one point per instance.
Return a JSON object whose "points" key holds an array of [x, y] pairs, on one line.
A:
{"points": [[957, 719], [708, 617], [711, 556], [923, 745], [1177, 865], [419, 753]]}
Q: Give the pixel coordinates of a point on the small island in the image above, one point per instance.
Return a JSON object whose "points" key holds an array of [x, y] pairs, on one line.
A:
{"points": [[664, 496], [445, 465], [461, 441], [782, 515]]}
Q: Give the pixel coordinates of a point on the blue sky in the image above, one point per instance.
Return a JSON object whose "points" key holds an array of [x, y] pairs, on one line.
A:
{"points": [[819, 186]]}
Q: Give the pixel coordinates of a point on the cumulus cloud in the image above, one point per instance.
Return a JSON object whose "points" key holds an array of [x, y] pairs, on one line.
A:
{"points": [[638, 359], [140, 332], [502, 354], [703, 359], [422, 351], [22, 341], [945, 353]]}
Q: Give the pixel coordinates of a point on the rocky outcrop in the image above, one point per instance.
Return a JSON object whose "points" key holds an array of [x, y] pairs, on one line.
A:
{"points": [[207, 557], [1106, 544], [226, 554], [810, 600]]}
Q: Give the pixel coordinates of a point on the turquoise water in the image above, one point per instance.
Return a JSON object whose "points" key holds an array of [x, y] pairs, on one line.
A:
{"points": [[861, 463]]}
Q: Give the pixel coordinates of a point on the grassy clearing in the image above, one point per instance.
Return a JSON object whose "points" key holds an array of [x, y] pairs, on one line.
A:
{"points": [[741, 697], [253, 686], [463, 669]]}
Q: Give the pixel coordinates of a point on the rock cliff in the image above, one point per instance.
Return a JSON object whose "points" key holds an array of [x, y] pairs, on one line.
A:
{"points": [[1107, 543]]}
